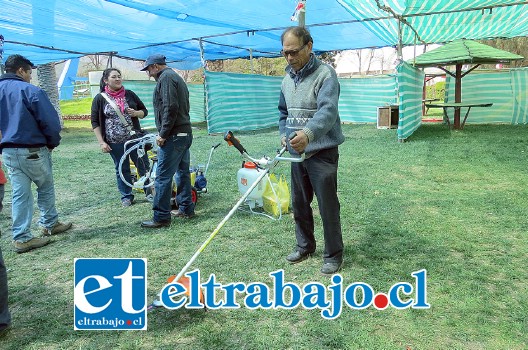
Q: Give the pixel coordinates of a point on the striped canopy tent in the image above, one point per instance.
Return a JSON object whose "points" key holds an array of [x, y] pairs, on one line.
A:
{"points": [[459, 53], [410, 22], [193, 31]]}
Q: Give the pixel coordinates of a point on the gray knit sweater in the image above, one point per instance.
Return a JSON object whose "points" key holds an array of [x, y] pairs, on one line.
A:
{"points": [[309, 102]]}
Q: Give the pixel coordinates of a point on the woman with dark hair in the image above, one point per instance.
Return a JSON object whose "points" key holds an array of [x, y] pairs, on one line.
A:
{"points": [[113, 104]]}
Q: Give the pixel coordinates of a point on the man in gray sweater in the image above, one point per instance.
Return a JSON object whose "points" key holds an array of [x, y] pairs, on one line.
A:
{"points": [[308, 106]]}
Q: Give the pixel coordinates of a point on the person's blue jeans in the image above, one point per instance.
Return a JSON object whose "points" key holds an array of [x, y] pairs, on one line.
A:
{"points": [[5, 316], [27, 165], [173, 156], [142, 165]]}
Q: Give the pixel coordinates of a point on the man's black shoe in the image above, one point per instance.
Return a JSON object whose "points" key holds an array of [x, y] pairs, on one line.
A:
{"points": [[155, 224], [297, 257], [180, 214], [329, 268]]}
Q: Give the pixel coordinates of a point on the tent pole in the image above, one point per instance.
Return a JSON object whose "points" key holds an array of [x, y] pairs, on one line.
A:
{"points": [[458, 95], [202, 58], [400, 54], [202, 54], [251, 60], [414, 57], [302, 14], [110, 62]]}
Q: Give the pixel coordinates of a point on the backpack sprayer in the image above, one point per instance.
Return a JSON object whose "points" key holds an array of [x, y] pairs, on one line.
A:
{"points": [[266, 164], [249, 173]]}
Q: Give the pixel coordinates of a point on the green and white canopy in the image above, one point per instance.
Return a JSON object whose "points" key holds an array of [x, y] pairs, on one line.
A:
{"points": [[440, 21], [464, 52], [192, 31]]}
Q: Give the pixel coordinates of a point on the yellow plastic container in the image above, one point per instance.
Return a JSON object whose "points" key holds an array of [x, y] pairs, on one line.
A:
{"points": [[193, 178]]}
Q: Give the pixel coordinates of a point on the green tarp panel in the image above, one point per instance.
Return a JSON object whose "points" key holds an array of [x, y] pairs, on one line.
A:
{"points": [[360, 97], [410, 83], [505, 89], [249, 102], [241, 101], [145, 88], [519, 78], [197, 102]]}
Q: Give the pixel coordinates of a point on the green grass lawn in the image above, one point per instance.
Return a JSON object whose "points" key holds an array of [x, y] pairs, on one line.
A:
{"points": [[81, 106], [451, 202]]}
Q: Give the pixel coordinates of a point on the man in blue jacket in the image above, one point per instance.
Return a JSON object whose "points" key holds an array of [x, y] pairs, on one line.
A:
{"points": [[30, 128]]}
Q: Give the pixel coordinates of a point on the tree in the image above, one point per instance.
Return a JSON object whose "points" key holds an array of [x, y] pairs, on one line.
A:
{"points": [[329, 58], [517, 45], [262, 66], [95, 62], [370, 56], [191, 76], [215, 66], [358, 54], [48, 82], [384, 59]]}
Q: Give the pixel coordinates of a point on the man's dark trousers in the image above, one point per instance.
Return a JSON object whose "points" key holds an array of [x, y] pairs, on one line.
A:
{"points": [[317, 174]]}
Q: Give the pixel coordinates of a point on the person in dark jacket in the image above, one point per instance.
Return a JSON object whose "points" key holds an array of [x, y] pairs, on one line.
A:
{"points": [[308, 106], [111, 132], [171, 110], [30, 129]]}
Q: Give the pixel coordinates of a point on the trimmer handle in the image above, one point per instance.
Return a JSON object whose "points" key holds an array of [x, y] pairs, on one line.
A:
{"points": [[233, 141], [292, 135], [290, 159]]}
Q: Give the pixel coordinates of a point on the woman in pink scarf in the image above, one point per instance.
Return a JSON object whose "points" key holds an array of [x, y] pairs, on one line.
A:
{"points": [[112, 133]]}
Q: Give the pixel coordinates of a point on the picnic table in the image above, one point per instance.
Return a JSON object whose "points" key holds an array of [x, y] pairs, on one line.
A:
{"points": [[456, 106]]}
